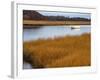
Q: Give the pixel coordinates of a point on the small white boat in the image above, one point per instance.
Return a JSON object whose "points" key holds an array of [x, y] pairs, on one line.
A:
{"points": [[75, 27]]}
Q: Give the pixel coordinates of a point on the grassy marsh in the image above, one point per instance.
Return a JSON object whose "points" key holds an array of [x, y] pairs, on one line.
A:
{"points": [[68, 51]]}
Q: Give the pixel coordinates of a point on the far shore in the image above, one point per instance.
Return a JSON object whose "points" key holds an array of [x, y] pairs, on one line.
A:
{"points": [[53, 23]]}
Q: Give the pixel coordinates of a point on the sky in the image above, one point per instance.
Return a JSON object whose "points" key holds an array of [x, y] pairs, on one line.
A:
{"points": [[66, 14]]}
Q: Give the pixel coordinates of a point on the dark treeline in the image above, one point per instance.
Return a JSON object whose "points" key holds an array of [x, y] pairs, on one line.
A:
{"points": [[62, 18], [34, 15]]}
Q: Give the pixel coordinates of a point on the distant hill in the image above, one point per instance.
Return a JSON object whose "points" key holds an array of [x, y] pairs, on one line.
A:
{"points": [[34, 15]]}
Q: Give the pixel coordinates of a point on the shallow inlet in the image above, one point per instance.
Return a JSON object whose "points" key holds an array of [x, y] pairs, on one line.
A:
{"points": [[27, 65]]}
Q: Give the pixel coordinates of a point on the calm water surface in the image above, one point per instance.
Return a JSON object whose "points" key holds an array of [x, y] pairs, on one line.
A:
{"points": [[52, 31]]}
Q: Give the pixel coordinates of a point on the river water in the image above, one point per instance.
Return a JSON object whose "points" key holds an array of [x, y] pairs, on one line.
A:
{"points": [[52, 31]]}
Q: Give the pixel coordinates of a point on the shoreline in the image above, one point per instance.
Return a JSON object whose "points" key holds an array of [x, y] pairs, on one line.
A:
{"points": [[40, 23]]}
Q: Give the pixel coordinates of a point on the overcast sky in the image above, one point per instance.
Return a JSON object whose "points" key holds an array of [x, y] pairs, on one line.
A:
{"points": [[66, 14]]}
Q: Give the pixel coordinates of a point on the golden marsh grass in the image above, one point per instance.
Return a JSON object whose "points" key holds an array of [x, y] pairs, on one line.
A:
{"points": [[68, 51]]}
